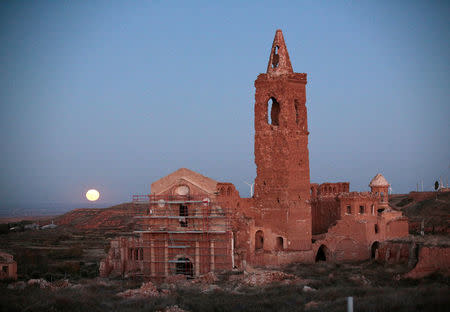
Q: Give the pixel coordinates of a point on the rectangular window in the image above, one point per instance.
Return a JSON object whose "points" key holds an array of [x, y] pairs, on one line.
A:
{"points": [[183, 213], [349, 209], [361, 209]]}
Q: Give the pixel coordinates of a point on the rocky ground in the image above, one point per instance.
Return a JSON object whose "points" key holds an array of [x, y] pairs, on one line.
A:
{"points": [[318, 287]]}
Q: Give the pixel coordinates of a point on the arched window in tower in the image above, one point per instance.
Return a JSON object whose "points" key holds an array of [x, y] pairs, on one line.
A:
{"points": [[275, 57], [297, 114], [274, 108]]}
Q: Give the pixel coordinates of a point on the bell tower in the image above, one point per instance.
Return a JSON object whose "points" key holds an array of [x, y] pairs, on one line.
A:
{"points": [[282, 185]]}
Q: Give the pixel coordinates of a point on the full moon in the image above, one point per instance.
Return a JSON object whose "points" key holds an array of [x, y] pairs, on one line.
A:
{"points": [[92, 195]]}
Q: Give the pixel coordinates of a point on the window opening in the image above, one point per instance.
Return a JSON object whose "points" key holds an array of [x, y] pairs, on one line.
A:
{"points": [[183, 213], [349, 209], [362, 209], [296, 111], [376, 228], [274, 108], [275, 58]]}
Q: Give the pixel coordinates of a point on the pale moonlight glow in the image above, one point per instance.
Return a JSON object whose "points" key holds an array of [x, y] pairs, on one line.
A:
{"points": [[92, 195]]}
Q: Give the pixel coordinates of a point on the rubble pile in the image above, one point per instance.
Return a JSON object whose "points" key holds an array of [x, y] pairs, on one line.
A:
{"points": [[146, 290], [261, 278]]}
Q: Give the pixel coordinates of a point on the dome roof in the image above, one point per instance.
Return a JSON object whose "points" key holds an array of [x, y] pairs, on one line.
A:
{"points": [[379, 180]]}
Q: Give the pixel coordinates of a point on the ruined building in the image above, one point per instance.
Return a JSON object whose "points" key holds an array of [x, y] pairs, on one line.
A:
{"points": [[8, 267], [191, 224]]}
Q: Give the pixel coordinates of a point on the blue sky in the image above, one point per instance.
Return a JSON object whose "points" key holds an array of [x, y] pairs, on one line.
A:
{"points": [[114, 95]]}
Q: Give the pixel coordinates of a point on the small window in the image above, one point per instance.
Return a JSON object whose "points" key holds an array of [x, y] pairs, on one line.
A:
{"points": [[141, 254], [297, 114], [376, 228], [136, 254], [373, 209], [349, 209], [275, 57], [362, 209], [5, 269]]}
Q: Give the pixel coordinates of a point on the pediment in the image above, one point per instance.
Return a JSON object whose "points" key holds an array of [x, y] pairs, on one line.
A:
{"points": [[187, 177]]}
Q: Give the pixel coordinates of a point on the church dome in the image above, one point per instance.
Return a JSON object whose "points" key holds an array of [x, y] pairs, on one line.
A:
{"points": [[379, 180]]}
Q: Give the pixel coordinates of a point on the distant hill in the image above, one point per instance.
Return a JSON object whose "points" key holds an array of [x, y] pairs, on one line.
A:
{"points": [[119, 217], [418, 206]]}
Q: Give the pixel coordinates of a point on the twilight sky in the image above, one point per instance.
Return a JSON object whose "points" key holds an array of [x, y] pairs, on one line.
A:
{"points": [[114, 95]]}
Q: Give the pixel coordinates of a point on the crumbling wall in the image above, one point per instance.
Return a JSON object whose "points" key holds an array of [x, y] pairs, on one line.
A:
{"points": [[325, 212], [431, 259]]}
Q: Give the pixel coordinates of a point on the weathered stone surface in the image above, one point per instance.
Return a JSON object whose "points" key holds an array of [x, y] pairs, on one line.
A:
{"points": [[431, 259], [288, 219]]}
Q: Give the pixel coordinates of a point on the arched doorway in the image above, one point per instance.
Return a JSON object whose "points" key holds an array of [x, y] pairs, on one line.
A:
{"points": [[184, 266], [322, 253], [279, 243], [373, 250], [259, 240]]}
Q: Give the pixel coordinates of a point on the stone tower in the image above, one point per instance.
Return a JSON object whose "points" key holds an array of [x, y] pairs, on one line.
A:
{"points": [[282, 186]]}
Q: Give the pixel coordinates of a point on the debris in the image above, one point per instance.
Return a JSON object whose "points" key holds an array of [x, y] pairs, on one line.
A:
{"points": [[308, 289], [146, 290], [260, 278]]}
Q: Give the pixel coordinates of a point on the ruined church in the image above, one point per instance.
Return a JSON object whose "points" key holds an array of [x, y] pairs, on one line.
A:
{"points": [[191, 224]]}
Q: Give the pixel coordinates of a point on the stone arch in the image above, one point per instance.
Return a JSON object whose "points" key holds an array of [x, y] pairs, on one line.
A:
{"points": [[279, 243], [259, 240], [373, 250], [184, 266], [322, 253], [273, 107]]}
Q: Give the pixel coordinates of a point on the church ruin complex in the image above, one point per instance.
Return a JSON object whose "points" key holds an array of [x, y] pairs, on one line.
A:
{"points": [[192, 225]]}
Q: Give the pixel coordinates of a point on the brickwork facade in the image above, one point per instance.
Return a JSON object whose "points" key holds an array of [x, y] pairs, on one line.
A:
{"points": [[193, 225]]}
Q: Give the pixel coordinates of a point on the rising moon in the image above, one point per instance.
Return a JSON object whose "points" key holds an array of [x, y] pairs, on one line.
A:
{"points": [[92, 195]]}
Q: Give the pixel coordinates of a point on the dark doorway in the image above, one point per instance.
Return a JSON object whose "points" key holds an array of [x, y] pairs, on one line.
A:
{"points": [[280, 243], [184, 267], [373, 250], [259, 240], [322, 253]]}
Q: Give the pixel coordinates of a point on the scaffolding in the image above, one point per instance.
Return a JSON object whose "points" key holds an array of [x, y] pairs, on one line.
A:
{"points": [[189, 235]]}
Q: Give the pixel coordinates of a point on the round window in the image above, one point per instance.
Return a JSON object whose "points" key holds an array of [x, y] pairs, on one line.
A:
{"points": [[182, 190]]}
